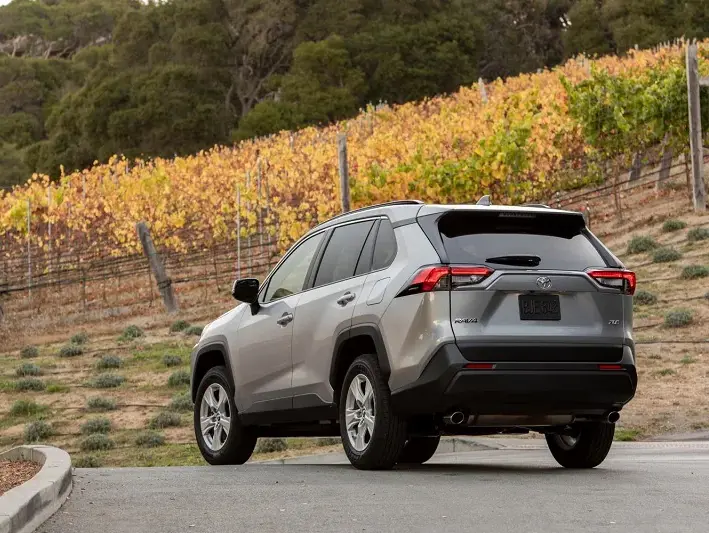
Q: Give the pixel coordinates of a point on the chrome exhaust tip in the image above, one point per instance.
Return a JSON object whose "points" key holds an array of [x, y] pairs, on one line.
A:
{"points": [[613, 417], [454, 419]]}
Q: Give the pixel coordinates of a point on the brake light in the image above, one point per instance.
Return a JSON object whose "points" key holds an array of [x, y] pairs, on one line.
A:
{"points": [[479, 366], [624, 280], [445, 278], [610, 367]]}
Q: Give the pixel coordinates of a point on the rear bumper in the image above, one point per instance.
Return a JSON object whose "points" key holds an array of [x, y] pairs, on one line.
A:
{"points": [[517, 387]]}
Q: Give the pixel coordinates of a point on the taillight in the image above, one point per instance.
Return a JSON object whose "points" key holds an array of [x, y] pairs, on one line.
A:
{"points": [[445, 278], [624, 280]]}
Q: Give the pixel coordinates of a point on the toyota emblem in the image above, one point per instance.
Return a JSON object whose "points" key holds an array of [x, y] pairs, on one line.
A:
{"points": [[544, 283]]}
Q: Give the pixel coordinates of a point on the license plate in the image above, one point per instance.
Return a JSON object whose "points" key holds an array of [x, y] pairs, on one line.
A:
{"points": [[539, 307]]}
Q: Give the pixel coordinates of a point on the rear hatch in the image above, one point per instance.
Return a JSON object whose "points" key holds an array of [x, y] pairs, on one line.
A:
{"points": [[532, 286]]}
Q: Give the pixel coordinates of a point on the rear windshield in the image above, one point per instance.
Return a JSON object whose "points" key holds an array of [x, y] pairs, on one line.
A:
{"points": [[518, 240]]}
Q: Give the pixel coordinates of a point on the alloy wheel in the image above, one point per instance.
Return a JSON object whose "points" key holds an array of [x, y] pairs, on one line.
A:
{"points": [[215, 417], [360, 412]]}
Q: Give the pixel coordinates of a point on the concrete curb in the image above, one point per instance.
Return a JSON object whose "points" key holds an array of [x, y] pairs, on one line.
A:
{"points": [[26, 507]]}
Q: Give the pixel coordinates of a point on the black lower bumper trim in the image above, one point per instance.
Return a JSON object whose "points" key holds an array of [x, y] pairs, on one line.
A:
{"points": [[516, 388]]}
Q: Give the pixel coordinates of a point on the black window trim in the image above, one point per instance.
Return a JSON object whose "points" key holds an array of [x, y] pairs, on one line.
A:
{"points": [[310, 276]]}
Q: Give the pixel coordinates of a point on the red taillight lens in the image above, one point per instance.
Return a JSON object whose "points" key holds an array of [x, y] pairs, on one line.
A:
{"points": [[624, 280], [610, 367], [445, 278], [427, 279], [479, 366]]}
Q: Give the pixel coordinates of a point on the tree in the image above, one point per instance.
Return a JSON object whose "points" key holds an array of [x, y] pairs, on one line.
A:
{"points": [[588, 31], [322, 86]]}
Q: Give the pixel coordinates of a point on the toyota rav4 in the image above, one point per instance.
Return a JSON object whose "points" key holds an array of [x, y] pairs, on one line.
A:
{"points": [[393, 325]]}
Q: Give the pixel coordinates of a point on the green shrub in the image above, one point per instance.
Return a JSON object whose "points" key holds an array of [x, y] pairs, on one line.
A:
{"points": [[109, 362], [182, 402], [131, 333], [106, 381], [180, 325], [96, 442], [87, 461], [57, 387], [37, 431], [149, 439], [99, 403], [678, 318], [271, 445], [26, 408], [694, 272], [71, 350], [664, 372], [96, 425], [28, 352], [194, 330], [673, 225], [179, 378], [665, 255], [80, 338], [626, 435], [644, 298], [166, 419], [28, 369], [688, 360], [641, 243], [172, 360], [698, 234], [30, 384]]}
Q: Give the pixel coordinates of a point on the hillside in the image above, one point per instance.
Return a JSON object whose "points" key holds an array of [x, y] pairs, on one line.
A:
{"points": [[158, 79]]}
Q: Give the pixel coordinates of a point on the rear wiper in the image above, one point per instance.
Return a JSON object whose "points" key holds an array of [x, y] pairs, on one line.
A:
{"points": [[515, 260]]}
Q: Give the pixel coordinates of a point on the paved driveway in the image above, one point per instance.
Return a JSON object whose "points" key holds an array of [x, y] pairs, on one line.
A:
{"points": [[654, 487]]}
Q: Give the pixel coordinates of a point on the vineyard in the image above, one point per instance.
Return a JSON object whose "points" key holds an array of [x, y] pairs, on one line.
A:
{"points": [[522, 139]]}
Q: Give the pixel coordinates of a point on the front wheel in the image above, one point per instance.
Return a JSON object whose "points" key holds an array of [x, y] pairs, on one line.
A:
{"points": [[372, 435], [220, 436], [586, 446]]}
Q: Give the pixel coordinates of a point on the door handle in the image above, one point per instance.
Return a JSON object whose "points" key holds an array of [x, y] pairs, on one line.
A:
{"points": [[285, 319], [346, 298]]}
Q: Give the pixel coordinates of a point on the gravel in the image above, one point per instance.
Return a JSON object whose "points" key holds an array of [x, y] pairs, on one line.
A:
{"points": [[14, 473]]}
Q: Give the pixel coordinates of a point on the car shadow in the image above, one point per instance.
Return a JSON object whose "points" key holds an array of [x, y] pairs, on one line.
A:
{"points": [[457, 469]]}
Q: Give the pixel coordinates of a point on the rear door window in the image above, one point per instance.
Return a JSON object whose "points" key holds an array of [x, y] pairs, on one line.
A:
{"points": [[518, 240], [342, 253]]}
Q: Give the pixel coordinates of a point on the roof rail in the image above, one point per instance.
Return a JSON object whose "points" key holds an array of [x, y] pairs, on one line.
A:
{"points": [[536, 205], [385, 204]]}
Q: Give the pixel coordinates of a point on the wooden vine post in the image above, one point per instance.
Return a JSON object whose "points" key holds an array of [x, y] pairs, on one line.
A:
{"points": [[156, 265]]}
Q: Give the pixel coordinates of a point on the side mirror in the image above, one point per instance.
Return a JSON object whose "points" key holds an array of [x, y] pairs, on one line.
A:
{"points": [[246, 290]]}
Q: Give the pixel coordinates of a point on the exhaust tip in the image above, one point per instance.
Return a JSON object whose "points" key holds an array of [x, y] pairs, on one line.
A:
{"points": [[455, 418], [613, 417]]}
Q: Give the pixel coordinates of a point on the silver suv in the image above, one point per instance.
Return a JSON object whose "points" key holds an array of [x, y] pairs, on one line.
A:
{"points": [[395, 324]]}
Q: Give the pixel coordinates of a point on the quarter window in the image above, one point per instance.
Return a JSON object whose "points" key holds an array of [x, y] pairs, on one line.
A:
{"points": [[385, 248]]}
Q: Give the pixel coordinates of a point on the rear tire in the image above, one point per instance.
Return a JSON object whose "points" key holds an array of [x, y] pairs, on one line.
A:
{"points": [[384, 433], [240, 441], [586, 449], [418, 450]]}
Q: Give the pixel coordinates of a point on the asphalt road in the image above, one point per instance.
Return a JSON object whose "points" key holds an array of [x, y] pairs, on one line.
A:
{"points": [[653, 487]]}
